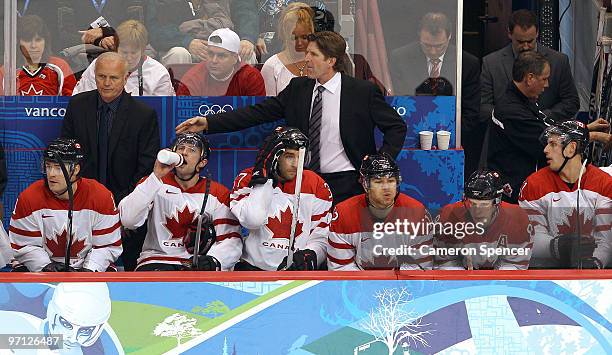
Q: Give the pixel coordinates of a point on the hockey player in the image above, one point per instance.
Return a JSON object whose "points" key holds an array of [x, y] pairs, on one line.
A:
{"points": [[39, 224], [569, 203], [497, 236], [262, 200], [381, 229], [170, 200]]}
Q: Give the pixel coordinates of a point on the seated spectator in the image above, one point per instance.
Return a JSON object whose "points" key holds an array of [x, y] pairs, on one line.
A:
{"points": [[569, 203], [40, 73], [147, 76], [294, 27], [179, 28], [39, 230], [170, 200], [87, 28], [493, 234], [433, 56], [263, 201], [354, 240], [223, 74]]}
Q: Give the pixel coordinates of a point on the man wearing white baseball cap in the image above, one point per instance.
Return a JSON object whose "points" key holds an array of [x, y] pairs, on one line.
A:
{"points": [[223, 74]]}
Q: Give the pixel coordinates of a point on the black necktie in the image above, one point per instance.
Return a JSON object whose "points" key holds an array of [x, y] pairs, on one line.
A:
{"points": [[103, 144], [314, 130]]}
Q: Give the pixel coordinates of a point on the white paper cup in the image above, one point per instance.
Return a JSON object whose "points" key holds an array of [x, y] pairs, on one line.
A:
{"points": [[443, 139], [426, 139]]}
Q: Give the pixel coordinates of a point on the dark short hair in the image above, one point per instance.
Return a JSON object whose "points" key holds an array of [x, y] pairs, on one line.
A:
{"points": [[434, 23], [528, 62], [332, 45], [522, 18], [31, 25]]}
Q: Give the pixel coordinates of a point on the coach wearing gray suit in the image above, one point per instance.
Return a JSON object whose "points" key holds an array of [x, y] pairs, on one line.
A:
{"points": [[559, 101]]}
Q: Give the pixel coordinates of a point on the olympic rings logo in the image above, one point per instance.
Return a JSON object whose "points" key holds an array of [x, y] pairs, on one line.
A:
{"points": [[205, 110]]}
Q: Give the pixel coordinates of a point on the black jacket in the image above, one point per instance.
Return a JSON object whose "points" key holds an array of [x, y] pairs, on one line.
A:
{"points": [[362, 108], [515, 150], [133, 143]]}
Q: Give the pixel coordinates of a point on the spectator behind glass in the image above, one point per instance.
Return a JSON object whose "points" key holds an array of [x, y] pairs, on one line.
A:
{"points": [[223, 74], [179, 28], [147, 76], [294, 27], [41, 73]]}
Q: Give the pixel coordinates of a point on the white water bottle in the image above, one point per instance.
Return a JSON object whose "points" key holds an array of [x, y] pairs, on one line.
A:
{"points": [[169, 157]]}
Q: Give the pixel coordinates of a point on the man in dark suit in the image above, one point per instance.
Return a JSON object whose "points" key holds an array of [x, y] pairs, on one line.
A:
{"points": [[559, 101], [119, 135], [338, 112], [430, 57]]}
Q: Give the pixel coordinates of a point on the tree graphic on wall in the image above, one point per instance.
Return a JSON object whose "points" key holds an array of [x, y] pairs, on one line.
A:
{"points": [[393, 322], [178, 326], [214, 308]]}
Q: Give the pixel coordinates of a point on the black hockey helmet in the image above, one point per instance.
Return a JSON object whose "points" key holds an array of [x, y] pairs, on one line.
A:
{"points": [[377, 166], [194, 139], [568, 131], [64, 150], [290, 137], [485, 184]]}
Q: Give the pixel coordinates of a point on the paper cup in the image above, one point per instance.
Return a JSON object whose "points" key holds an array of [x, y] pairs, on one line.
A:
{"points": [[443, 139], [426, 138]]}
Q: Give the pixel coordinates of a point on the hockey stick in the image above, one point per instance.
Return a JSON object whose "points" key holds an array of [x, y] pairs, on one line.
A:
{"points": [[296, 204], [70, 208], [196, 246]]}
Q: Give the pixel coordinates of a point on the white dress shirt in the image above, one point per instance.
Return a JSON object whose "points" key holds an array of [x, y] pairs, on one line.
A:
{"points": [[331, 151]]}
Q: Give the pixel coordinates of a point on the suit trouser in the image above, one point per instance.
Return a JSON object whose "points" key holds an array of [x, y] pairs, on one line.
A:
{"points": [[343, 185]]}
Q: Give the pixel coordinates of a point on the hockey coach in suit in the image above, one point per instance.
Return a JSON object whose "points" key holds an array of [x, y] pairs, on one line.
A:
{"points": [[337, 112]]}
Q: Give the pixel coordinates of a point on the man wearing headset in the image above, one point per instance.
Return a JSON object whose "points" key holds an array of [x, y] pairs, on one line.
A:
{"points": [[170, 201], [39, 224], [498, 237], [569, 203]]}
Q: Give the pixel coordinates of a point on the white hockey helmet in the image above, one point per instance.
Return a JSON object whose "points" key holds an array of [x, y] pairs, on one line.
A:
{"points": [[82, 304]]}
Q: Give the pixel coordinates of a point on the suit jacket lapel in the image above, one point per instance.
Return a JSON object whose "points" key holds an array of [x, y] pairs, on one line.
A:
{"points": [[508, 61], [91, 123], [345, 107], [308, 92], [118, 123]]}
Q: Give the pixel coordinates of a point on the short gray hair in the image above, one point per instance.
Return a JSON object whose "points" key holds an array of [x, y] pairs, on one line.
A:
{"points": [[113, 56]]}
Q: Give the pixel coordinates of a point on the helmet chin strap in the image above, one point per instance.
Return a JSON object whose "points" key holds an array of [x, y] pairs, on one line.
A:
{"points": [[58, 194], [565, 159]]}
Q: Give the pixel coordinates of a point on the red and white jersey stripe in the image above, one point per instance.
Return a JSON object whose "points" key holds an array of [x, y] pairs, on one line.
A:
{"points": [[267, 211], [551, 206], [38, 230], [359, 242], [169, 211]]}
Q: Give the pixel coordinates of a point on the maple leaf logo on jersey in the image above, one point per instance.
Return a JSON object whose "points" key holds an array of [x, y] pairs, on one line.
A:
{"points": [[281, 227], [32, 91], [178, 227], [569, 224], [57, 245]]}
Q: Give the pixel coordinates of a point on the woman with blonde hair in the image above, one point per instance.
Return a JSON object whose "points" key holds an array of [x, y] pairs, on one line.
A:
{"points": [[294, 27], [147, 76]]}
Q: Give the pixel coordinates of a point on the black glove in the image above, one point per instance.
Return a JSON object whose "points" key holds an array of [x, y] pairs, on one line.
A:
{"points": [[207, 237], [55, 266], [208, 263], [570, 250], [303, 260], [266, 163]]}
